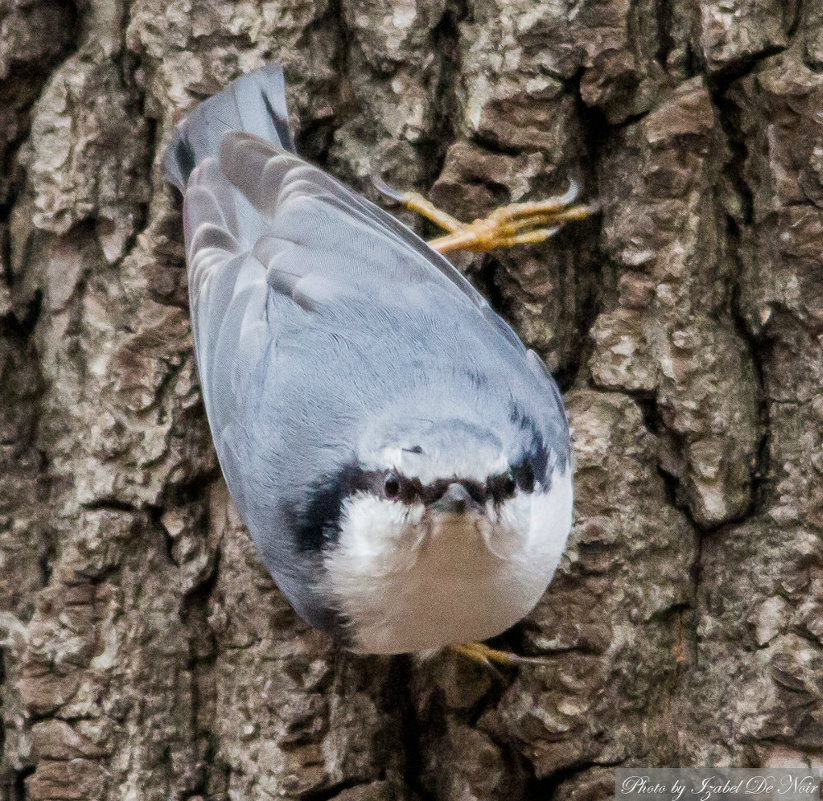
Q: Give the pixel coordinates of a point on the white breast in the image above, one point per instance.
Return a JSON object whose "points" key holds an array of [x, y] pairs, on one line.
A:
{"points": [[408, 580]]}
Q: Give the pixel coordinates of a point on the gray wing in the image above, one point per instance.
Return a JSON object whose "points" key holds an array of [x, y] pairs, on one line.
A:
{"points": [[283, 188]]}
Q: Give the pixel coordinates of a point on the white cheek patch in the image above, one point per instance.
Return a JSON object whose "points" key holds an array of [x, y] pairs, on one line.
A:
{"points": [[513, 518], [378, 534], [408, 581], [551, 519]]}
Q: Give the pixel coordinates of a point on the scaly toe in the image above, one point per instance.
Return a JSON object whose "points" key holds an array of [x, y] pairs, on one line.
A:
{"points": [[487, 656]]}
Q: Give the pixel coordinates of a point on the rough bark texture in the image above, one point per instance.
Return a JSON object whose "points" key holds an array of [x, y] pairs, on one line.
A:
{"points": [[146, 654]]}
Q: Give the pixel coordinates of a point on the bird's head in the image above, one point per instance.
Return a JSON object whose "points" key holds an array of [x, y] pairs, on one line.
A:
{"points": [[446, 531]]}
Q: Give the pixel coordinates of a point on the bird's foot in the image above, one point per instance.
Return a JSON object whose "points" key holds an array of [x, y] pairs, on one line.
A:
{"points": [[489, 657], [515, 224]]}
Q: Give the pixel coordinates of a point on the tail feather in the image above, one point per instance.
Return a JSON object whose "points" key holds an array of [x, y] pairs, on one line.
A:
{"points": [[255, 103]]}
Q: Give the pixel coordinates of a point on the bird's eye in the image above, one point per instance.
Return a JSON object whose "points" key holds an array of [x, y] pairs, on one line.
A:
{"points": [[477, 492], [391, 487], [508, 484], [503, 486]]}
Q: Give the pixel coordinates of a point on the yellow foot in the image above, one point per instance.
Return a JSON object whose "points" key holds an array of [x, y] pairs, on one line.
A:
{"points": [[515, 224], [488, 657]]}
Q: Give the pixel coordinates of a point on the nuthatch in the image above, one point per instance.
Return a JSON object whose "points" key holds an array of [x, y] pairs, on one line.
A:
{"points": [[401, 460]]}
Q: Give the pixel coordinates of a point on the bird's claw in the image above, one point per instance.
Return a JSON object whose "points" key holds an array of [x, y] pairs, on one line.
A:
{"points": [[387, 191], [515, 224], [416, 202], [489, 657]]}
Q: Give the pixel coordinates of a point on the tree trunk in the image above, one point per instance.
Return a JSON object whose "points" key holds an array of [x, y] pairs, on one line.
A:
{"points": [[146, 653]]}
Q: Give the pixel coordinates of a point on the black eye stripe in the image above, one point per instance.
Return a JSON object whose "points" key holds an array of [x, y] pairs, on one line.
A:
{"points": [[316, 522], [395, 486], [523, 474]]}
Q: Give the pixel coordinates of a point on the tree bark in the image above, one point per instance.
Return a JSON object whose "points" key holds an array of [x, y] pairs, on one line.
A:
{"points": [[146, 653]]}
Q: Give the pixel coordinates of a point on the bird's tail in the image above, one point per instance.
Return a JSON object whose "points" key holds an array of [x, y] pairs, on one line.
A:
{"points": [[255, 103]]}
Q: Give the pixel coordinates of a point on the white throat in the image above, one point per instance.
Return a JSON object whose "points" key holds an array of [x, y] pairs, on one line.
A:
{"points": [[408, 579]]}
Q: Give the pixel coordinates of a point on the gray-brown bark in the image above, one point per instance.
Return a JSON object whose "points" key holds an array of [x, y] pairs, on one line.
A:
{"points": [[146, 654]]}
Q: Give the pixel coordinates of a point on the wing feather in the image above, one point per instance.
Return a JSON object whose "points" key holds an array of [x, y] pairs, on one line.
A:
{"points": [[272, 184], [227, 291]]}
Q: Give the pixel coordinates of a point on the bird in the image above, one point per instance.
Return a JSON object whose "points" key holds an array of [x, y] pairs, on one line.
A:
{"points": [[401, 460]]}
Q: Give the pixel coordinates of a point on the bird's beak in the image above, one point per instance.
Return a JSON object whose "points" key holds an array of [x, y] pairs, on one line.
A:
{"points": [[455, 500]]}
